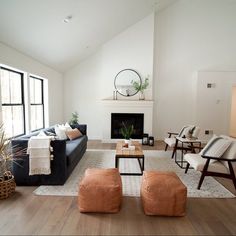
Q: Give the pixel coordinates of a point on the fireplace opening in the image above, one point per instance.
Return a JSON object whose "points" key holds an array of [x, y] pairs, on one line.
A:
{"points": [[135, 119]]}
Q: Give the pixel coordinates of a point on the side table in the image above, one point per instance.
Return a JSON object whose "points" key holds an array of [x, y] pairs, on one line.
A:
{"points": [[192, 145]]}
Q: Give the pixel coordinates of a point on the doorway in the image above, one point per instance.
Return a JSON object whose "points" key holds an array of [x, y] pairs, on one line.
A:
{"points": [[232, 131]]}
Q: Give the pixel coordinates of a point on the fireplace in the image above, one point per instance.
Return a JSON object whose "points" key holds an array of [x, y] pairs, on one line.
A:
{"points": [[135, 119]]}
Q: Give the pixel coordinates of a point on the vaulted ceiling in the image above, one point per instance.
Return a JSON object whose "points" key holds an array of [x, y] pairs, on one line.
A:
{"points": [[36, 27]]}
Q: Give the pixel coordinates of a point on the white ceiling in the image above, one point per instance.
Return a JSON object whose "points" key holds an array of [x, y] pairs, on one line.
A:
{"points": [[36, 27]]}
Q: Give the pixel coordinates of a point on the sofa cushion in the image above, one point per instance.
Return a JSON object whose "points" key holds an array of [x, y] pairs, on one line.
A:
{"points": [[73, 147]]}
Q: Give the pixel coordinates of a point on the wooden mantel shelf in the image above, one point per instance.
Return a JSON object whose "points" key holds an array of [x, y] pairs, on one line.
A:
{"points": [[126, 102]]}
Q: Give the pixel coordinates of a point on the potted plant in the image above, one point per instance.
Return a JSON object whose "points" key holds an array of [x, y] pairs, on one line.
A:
{"points": [[127, 131], [141, 87], [74, 119], [7, 181]]}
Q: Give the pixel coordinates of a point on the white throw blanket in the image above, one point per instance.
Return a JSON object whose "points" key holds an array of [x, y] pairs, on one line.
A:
{"points": [[39, 151]]}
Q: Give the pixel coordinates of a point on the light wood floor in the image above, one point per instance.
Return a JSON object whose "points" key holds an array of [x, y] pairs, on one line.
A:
{"points": [[25, 213]]}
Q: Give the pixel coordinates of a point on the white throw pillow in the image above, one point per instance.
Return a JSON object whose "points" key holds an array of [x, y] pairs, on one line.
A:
{"points": [[184, 131], [60, 132], [67, 127], [196, 132], [216, 147]]}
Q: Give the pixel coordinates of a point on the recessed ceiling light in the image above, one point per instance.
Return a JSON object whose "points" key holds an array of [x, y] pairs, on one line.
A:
{"points": [[67, 19]]}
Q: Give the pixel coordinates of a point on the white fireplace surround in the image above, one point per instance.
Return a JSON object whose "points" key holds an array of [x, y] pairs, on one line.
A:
{"points": [[125, 106]]}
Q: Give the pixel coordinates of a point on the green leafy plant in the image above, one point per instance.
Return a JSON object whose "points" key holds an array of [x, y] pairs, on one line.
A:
{"points": [[127, 130], [141, 87], [74, 119]]}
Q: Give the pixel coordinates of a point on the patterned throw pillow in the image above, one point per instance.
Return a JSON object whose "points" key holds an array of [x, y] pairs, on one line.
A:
{"points": [[216, 147]]}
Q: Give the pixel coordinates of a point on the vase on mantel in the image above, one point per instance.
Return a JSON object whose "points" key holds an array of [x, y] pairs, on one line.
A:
{"points": [[141, 95]]}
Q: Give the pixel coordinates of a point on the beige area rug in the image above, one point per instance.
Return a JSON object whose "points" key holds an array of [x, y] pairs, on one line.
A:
{"points": [[154, 160]]}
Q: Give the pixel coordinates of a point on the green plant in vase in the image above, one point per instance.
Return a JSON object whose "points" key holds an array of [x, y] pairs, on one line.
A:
{"points": [[141, 87], [74, 119], [127, 131]]}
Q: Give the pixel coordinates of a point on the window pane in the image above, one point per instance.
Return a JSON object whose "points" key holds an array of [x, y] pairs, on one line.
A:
{"points": [[36, 88], [18, 120], [5, 89], [15, 85], [13, 120], [7, 120], [38, 91], [32, 100], [36, 117]]}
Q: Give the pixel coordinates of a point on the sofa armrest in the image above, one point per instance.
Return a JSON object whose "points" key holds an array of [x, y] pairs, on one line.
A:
{"points": [[58, 164], [81, 127]]}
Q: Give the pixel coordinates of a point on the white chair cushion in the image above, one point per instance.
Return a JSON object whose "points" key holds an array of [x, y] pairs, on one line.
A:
{"points": [[216, 147], [170, 141], [197, 162]]}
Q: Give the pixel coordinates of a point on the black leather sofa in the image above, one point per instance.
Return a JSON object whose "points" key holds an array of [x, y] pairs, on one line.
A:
{"points": [[67, 154]]}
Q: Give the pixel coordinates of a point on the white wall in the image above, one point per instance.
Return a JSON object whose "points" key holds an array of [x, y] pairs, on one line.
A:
{"points": [[93, 80], [15, 59], [213, 106], [233, 113], [190, 36]]}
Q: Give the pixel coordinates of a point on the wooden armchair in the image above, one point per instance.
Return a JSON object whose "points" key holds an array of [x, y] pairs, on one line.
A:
{"points": [[184, 132], [220, 164]]}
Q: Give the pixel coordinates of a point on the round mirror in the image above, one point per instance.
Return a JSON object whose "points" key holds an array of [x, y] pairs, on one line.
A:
{"points": [[124, 81]]}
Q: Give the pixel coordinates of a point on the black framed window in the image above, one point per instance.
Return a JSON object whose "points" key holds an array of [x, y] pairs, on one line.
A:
{"points": [[13, 106], [36, 103]]}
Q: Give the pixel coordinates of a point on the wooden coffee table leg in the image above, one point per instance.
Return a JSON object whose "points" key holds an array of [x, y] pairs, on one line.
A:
{"points": [[141, 165], [117, 162]]}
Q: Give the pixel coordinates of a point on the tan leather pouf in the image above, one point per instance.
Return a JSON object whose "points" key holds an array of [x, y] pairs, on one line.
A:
{"points": [[100, 191], [163, 193]]}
